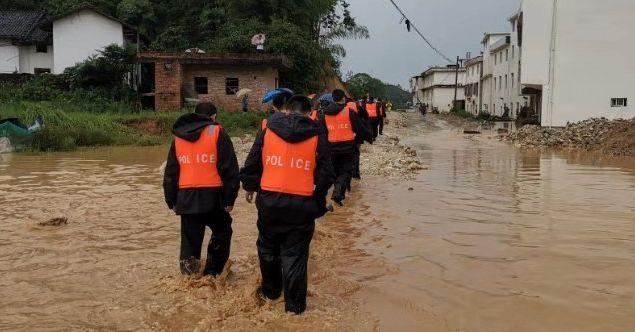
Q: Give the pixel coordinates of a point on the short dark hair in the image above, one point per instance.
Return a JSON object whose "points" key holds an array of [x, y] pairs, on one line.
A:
{"points": [[205, 108], [279, 101], [299, 103], [338, 95]]}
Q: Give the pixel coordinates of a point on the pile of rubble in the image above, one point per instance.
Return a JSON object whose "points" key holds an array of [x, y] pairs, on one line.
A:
{"points": [[388, 158], [611, 136]]}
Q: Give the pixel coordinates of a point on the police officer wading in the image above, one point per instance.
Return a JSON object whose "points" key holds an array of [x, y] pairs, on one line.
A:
{"points": [[201, 183], [345, 129], [374, 115], [290, 167], [363, 115]]}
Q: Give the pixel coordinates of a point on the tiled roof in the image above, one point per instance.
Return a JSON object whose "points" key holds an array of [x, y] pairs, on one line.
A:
{"points": [[23, 26]]}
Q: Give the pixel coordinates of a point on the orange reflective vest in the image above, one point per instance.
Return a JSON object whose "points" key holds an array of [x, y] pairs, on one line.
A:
{"points": [[197, 160], [264, 124], [314, 115], [288, 167], [352, 106], [371, 108], [339, 126]]}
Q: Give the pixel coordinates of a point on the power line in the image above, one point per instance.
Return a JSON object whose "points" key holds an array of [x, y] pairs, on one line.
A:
{"points": [[421, 34]]}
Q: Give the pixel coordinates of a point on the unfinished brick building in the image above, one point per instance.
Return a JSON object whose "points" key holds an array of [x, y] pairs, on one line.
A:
{"points": [[213, 76]]}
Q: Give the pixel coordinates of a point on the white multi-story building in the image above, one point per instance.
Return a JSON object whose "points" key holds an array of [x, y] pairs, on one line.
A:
{"points": [[578, 54], [438, 87], [472, 85], [416, 87], [492, 42], [33, 42]]}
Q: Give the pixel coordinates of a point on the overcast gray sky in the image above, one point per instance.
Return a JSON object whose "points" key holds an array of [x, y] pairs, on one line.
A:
{"points": [[394, 55]]}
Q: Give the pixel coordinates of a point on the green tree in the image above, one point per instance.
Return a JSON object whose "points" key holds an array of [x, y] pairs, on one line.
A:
{"points": [[107, 70], [361, 84]]}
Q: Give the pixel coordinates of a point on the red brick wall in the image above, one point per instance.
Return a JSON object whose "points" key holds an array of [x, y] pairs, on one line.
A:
{"points": [[259, 79], [168, 79]]}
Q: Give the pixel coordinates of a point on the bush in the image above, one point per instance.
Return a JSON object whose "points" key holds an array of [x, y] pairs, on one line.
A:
{"points": [[462, 113]]}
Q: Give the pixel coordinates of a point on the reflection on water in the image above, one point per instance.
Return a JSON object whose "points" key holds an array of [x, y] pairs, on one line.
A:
{"points": [[497, 239]]}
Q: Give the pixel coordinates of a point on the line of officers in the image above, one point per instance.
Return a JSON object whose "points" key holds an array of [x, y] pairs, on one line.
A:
{"points": [[302, 150]]}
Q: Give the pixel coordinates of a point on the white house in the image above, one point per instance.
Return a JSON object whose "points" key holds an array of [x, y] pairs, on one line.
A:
{"points": [[416, 87], [437, 87], [578, 55], [493, 44], [472, 85], [34, 42]]}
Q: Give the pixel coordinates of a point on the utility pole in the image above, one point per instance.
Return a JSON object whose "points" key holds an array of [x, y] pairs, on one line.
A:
{"points": [[456, 82]]}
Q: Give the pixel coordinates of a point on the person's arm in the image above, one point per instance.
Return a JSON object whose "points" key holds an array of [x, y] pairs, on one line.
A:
{"points": [[171, 178], [251, 173], [324, 174], [360, 128], [227, 166]]}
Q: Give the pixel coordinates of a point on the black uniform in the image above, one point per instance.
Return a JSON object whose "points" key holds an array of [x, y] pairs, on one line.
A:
{"points": [[285, 221], [381, 110], [345, 154], [201, 207], [373, 121], [363, 115]]}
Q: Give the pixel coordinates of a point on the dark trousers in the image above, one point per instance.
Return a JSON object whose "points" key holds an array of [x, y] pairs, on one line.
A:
{"points": [[283, 265], [381, 126], [356, 173], [192, 234], [374, 125], [343, 164]]}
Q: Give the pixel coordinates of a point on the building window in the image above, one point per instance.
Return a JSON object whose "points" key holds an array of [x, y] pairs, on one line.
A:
{"points": [[513, 51], [38, 71], [506, 55], [200, 85], [495, 58], [476, 85], [41, 48], [500, 82], [512, 80], [231, 85], [618, 102], [505, 82]]}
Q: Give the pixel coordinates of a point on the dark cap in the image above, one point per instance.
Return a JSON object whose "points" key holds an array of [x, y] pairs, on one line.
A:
{"points": [[205, 108]]}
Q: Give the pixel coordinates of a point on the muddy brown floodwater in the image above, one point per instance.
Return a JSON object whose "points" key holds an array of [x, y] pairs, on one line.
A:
{"points": [[488, 238]]}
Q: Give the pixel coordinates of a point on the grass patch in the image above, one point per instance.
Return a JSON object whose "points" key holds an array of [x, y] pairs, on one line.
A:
{"points": [[72, 125], [462, 113]]}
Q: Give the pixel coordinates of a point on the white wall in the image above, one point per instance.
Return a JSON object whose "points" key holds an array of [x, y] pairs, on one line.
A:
{"points": [[9, 57], [30, 59], [537, 18], [442, 97], [501, 73], [80, 35], [472, 78], [593, 60], [488, 99]]}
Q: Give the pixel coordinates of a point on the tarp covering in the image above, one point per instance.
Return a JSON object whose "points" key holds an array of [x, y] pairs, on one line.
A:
{"points": [[16, 136]]}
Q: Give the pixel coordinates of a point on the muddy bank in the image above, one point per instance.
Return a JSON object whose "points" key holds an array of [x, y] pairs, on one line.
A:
{"points": [[616, 137]]}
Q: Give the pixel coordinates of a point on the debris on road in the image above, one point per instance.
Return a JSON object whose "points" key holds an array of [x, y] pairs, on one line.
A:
{"points": [[58, 221], [616, 137]]}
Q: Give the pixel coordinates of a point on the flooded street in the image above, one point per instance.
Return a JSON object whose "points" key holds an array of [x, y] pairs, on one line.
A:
{"points": [[489, 238]]}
